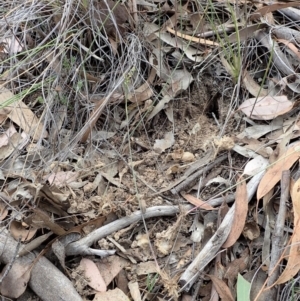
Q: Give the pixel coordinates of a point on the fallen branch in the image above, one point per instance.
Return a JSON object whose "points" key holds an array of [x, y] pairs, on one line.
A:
{"points": [[82, 246], [46, 280]]}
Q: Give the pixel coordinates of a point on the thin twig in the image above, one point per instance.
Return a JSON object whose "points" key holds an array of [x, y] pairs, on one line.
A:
{"points": [[197, 174], [277, 245], [16, 251]]}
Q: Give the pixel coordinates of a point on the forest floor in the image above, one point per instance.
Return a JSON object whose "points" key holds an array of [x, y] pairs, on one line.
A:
{"points": [[149, 150]]}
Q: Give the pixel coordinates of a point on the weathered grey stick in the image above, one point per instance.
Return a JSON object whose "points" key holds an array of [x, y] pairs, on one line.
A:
{"points": [[213, 246], [82, 246], [278, 237], [46, 280]]}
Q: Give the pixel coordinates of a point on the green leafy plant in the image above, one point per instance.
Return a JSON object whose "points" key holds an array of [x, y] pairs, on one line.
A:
{"points": [[151, 281]]}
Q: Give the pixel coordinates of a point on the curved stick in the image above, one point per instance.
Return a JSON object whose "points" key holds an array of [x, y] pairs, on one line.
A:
{"points": [[82, 246]]}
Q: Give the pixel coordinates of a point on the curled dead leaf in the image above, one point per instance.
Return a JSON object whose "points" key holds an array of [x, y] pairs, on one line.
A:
{"points": [[222, 288], [161, 145], [91, 272], [273, 174], [15, 282], [266, 108], [240, 214], [197, 202], [18, 230], [115, 294]]}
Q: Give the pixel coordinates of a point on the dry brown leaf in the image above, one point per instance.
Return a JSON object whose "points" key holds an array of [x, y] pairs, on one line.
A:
{"points": [[164, 241], [237, 266], [15, 282], [179, 81], [135, 291], [255, 166], [291, 46], [110, 14], [252, 86], [55, 197], [251, 230], [197, 202], [160, 106], [222, 288], [266, 108], [145, 91], [145, 268], [161, 145], [110, 267], [10, 141], [240, 213], [62, 178], [33, 244], [192, 53], [273, 174], [5, 137], [3, 210], [258, 131], [112, 295], [93, 224], [92, 273], [20, 114], [14, 143], [112, 180], [246, 33], [185, 297], [47, 222], [91, 78], [17, 230], [270, 8], [122, 282], [293, 264], [6, 96], [99, 106], [156, 60]]}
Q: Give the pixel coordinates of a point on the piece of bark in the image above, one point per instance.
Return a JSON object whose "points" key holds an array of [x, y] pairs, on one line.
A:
{"points": [[46, 280]]}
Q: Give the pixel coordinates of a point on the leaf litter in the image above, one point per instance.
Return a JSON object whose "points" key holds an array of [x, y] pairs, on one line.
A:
{"points": [[131, 131]]}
